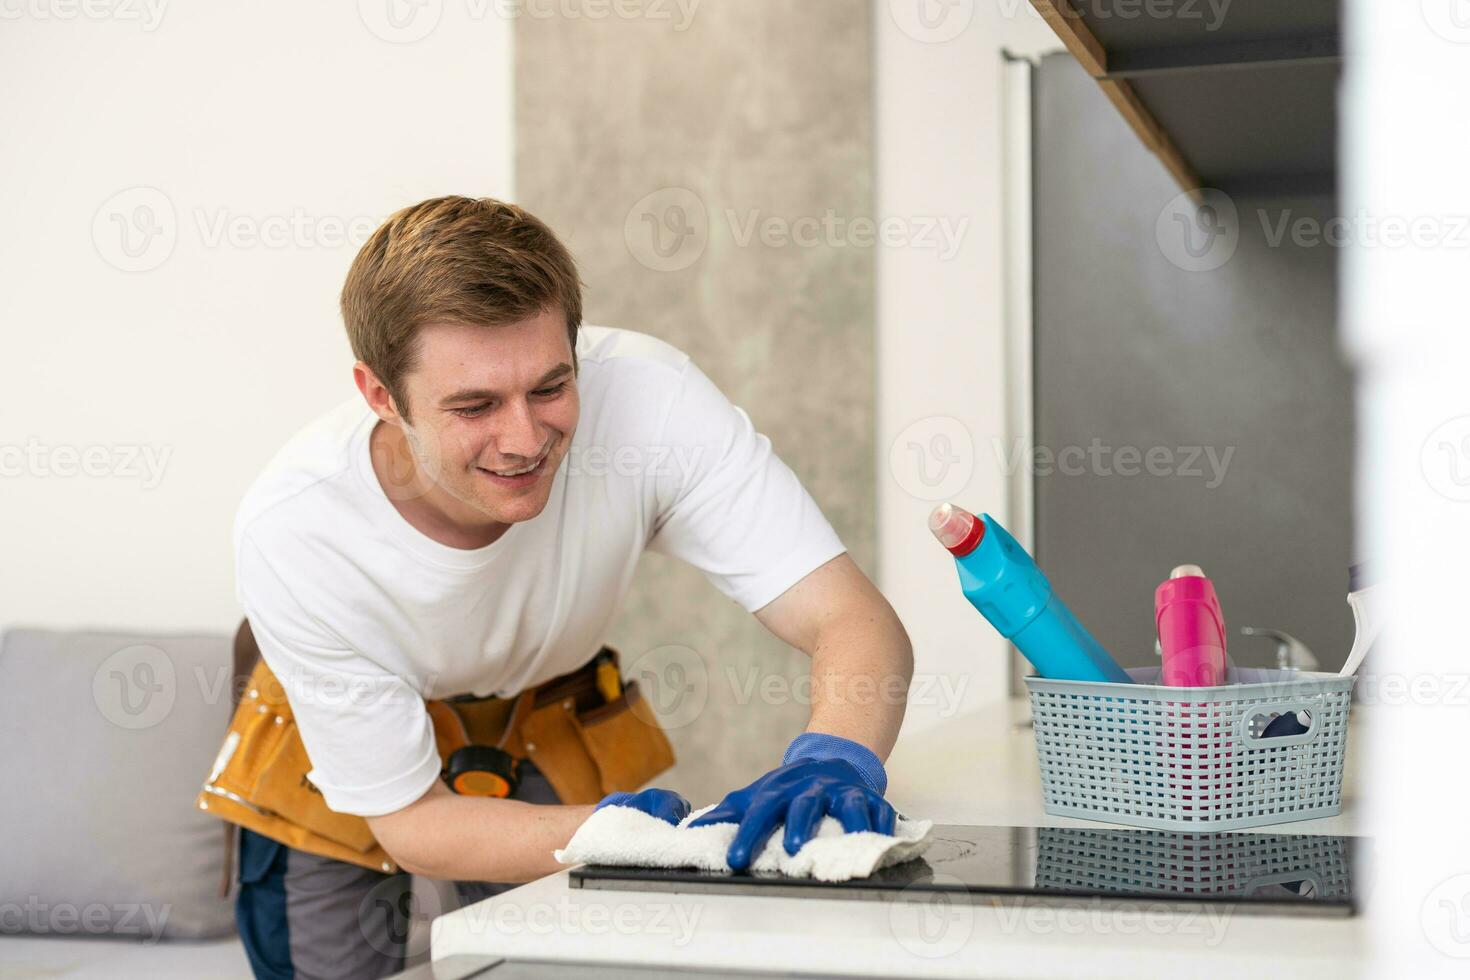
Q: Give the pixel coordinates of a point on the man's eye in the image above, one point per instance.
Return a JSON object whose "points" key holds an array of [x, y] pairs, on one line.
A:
{"points": [[549, 392], [470, 413]]}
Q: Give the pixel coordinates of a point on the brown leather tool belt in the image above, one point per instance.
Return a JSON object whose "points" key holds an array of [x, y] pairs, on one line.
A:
{"points": [[589, 735]]}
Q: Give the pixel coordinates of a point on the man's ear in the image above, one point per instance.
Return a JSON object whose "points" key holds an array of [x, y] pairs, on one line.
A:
{"points": [[375, 393]]}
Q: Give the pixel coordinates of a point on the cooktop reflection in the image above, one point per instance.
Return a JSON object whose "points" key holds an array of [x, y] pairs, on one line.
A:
{"points": [[1267, 872]]}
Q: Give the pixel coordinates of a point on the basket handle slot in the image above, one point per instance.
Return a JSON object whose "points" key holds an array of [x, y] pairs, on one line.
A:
{"points": [[1262, 713], [1303, 878]]}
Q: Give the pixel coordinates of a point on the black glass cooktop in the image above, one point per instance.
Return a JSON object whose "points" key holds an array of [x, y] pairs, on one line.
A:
{"points": [[1267, 872]]}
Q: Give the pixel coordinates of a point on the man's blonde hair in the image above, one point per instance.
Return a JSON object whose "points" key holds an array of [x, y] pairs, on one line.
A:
{"points": [[452, 259]]}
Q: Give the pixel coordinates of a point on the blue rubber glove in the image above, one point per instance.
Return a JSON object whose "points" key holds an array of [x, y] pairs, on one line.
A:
{"points": [[661, 803], [820, 775]]}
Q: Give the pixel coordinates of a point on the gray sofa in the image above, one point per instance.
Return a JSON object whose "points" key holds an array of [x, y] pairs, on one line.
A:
{"points": [[110, 870]]}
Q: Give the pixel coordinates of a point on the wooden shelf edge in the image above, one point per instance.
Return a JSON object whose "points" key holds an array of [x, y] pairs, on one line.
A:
{"points": [[1083, 45]]}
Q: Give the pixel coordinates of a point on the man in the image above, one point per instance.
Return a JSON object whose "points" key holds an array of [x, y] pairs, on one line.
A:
{"points": [[449, 536]]}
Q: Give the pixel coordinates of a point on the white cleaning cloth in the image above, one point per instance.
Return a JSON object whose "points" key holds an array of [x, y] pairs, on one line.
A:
{"points": [[625, 837]]}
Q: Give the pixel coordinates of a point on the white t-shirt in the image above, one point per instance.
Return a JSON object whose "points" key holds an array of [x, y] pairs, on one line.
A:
{"points": [[362, 616]]}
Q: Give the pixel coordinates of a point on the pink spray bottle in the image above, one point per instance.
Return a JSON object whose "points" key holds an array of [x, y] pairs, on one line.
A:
{"points": [[1192, 642], [1191, 629]]}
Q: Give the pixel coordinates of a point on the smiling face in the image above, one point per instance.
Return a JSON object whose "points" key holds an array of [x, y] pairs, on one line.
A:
{"points": [[493, 411]]}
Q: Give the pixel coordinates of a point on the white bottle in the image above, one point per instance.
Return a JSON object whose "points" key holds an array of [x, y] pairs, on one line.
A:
{"points": [[1367, 616]]}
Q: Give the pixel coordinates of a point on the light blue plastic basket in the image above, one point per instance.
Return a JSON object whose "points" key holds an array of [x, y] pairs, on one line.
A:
{"points": [[1175, 758]]}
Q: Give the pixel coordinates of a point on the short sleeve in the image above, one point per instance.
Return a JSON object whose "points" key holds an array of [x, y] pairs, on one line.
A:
{"points": [[729, 506], [365, 729]]}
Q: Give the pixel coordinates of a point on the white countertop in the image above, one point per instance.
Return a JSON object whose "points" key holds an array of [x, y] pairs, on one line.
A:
{"points": [[978, 768]]}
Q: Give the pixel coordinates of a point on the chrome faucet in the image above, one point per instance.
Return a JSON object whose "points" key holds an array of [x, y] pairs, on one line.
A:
{"points": [[1291, 653]]}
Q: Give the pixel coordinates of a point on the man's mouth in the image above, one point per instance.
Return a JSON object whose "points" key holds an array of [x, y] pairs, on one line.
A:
{"points": [[524, 469], [519, 474]]}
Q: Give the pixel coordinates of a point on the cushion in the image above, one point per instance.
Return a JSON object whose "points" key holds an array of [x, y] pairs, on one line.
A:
{"points": [[108, 737]]}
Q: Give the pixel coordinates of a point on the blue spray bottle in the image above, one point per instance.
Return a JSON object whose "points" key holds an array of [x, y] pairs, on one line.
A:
{"points": [[1000, 579]]}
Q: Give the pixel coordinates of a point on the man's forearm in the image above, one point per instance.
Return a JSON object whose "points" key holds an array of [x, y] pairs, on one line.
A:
{"points": [[861, 656], [861, 666], [469, 838]]}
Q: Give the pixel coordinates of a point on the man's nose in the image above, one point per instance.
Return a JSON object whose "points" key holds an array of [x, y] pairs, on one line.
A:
{"points": [[520, 436]]}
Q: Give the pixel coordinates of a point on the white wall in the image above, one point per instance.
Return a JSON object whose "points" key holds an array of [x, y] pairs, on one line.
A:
{"points": [[1404, 144], [212, 353], [941, 351]]}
